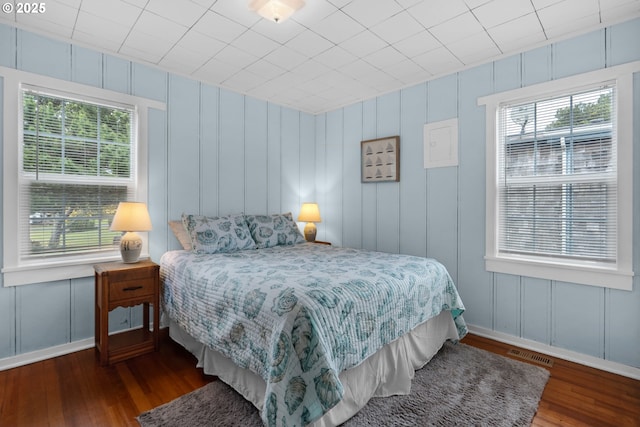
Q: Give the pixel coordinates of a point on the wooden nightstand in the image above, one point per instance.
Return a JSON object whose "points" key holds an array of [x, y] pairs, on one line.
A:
{"points": [[125, 285]]}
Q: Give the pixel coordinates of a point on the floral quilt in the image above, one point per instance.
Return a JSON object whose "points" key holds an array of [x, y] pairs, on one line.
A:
{"points": [[299, 315]]}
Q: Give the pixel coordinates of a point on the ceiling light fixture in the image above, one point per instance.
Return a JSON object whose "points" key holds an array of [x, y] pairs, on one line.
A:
{"points": [[276, 10]]}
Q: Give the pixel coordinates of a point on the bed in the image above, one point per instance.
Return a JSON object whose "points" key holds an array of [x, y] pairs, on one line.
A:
{"points": [[306, 332]]}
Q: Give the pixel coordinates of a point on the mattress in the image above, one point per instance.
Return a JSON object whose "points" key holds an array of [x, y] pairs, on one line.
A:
{"points": [[298, 316]]}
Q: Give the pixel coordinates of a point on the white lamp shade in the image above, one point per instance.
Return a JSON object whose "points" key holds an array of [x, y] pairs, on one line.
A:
{"points": [[276, 10], [131, 216], [309, 213]]}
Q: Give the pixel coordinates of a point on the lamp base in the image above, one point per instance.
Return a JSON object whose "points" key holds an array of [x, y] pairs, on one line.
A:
{"points": [[310, 232], [130, 247]]}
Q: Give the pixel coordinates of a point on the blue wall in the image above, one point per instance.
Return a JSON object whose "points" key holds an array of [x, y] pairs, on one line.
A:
{"points": [[214, 151], [440, 213]]}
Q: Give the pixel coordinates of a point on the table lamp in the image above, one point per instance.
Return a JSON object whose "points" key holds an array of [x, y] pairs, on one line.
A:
{"points": [[131, 217], [310, 214]]}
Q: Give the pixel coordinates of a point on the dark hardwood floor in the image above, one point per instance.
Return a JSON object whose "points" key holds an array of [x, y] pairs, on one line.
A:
{"points": [[73, 390]]}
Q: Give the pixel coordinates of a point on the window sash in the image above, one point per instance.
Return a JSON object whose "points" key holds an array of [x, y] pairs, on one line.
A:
{"points": [[557, 177], [77, 161]]}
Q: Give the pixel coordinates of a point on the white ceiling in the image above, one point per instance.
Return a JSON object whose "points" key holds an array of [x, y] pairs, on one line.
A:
{"points": [[330, 53]]}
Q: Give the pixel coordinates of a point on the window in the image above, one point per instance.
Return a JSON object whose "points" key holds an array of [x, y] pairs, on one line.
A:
{"points": [[71, 154], [559, 180], [76, 165]]}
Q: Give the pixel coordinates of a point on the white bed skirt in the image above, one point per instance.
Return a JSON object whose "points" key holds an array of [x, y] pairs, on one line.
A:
{"points": [[385, 373]]}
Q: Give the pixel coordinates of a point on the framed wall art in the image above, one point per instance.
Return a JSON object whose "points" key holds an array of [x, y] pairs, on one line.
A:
{"points": [[381, 159]]}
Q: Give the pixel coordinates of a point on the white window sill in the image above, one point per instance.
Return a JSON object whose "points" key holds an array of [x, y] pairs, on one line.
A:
{"points": [[50, 272], [592, 274]]}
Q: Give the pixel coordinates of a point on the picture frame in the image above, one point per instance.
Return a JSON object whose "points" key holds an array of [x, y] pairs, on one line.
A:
{"points": [[380, 159]]}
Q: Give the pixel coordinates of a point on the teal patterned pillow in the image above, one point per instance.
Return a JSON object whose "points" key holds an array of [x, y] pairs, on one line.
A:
{"points": [[222, 234], [274, 230]]}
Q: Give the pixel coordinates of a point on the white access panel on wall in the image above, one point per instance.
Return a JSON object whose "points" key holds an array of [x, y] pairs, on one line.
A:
{"points": [[441, 144]]}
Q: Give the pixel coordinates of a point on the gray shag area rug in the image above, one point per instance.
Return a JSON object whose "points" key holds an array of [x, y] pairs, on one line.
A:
{"points": [[461, 385]]}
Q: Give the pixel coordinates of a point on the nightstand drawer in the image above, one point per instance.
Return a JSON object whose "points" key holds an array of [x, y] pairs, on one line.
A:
{"points": [[130, 289]]}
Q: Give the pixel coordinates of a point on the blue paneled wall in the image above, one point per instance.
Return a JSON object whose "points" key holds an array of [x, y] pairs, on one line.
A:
{"points": [[440, 212], [214, 151]]}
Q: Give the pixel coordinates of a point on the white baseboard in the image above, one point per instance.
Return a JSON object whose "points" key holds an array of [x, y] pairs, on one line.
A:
{"points": [[46, 353], [571, 356]]}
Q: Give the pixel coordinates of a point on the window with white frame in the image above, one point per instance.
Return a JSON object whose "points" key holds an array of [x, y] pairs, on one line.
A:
{"points": [[71, 154], [76, 165], [559, 180]]}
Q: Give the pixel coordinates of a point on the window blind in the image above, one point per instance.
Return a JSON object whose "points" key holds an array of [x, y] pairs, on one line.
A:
{"points": [[557, 177], [76, 165]]}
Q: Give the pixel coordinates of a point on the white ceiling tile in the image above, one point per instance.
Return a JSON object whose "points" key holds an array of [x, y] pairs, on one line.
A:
{"points": [[313, 12], [433, 12], [148, 55], [243, 81], [113, 10], [406, 71], [514, 34], [183, 12], [617, 10], [181, 63], [363, 44], [340, 3], [358, 69], [368, 15], [309, 43], [438, 61], [397, 27], [138, 3], [385, 57], [215, 71], [472, 4], [541, 4], [337, 27], [458, 28], [92, 39], [417, 44], [279, 33], [217, 26], [477, 48], [97, 28], [236, 57], [266, 69], [58, 18], [237, 10], [500, 11], [204, 3], [45, 25], [73, 3], [408, 3], [311, 69], [255, 44], [150, 44], [286, 58], [335, 57], [159, 27], [568, 16]]}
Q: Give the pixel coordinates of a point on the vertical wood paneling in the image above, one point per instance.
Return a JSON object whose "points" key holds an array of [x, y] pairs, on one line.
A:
{"points": [[578, 318], [183, 116], [86, 66], [290, 168], [536, 66], [507, 73], [82, 303], [332, 215], [274, 162], [579, 54], [42, 315], [621, 308], [307, 160], [116, 74], [473, 280], [536, 309], [209, 144], [7, 322], [148, 82], [255, 153], [413, 192], [41, 55], [388, 193], [159, 239], [619, 49], [369, 193], [321, 171], [8, 44], [231, 152], [442, 98], [352, 178], [507, 304]]}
